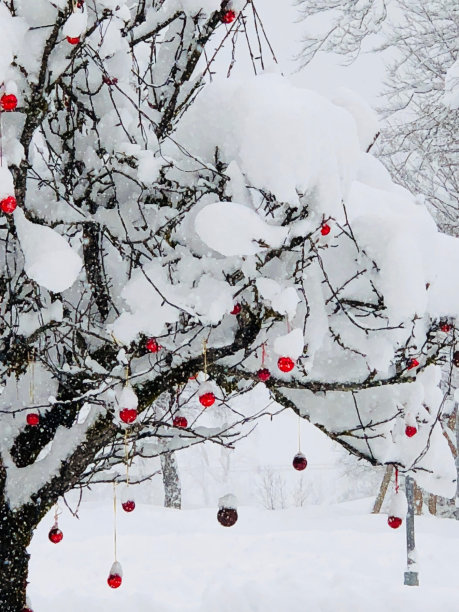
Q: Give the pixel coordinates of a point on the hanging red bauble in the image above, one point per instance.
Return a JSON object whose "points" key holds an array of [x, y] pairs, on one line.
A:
{"points": [[456, 358], [152, 346], [27, 610], [73, 40], [412, 363], [229, 17], [207, 399], [55, 535], [114, 581], [394, 522], [410, 431], [264, 374], [180, 421], [128, 415], [325, 229], [227, 516], [8, 205], [8, 102], [33, 419], [236, 310], [128, 505], [299, 462], [285, 364], [445, 327]]}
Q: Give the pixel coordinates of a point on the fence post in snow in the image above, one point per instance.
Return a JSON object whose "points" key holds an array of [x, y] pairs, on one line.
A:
{"points": [[411, 575]]}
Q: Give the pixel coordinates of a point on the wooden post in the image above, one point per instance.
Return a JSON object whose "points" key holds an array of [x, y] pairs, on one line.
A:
{"points": [[383, 489], [411, 575]]}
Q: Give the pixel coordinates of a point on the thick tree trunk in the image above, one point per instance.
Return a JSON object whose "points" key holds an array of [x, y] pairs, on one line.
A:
{"points": [[15, 536], [171, 481]]}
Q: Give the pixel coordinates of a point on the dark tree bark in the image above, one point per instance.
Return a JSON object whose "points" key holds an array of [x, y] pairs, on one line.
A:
{"points": [[171, 481]]}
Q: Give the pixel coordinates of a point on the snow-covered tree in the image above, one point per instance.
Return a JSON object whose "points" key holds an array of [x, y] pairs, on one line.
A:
{"points": [[180, 239]]}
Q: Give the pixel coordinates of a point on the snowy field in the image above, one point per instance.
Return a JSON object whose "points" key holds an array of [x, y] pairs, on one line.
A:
{"points": [[315, 559]]}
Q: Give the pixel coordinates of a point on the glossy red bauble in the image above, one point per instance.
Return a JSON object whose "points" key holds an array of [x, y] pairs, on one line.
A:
{"points": [[152, 346], [33, 419], [55, 535], [412, 363], [27, 610], [8, 102], [264, 374], [128, 505], [299, 462], [394, 522], [445, 327], [73, 40], [236, 310], [227, 516], [285, 364], [128, 415], [229, 17], [114, 581], [325, 229], [180, 421], [410, 431], [8, 205], [207, 399]]}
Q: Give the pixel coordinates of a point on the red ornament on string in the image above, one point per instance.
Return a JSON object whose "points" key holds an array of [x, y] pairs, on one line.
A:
{"points": [[445, 327], [229, 17], [55, 535], [285, 364], [27, 610], [412, 363], [227, 517], [128, 415], [394, 522], [128, 505], [264, 374], [73, 40], [152, 346], [114, 581], [8, 205], [325, 229], [236, 310], [8, 102], [180, 421], [207, 399], [410, 431], [33, 419], [299, 462]]}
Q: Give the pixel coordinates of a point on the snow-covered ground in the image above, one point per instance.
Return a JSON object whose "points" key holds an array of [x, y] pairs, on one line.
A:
{"points": [[320, 559]]}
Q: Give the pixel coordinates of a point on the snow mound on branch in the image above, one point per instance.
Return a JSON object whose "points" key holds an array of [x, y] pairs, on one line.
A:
{"points": [[233, 229], [49, 259], [283, 138]]}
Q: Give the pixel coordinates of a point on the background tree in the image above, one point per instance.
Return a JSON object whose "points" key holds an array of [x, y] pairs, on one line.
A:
{"points": [[175, 238]]}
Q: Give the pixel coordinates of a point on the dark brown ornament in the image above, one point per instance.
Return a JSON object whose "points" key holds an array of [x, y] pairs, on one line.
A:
{"points": [[227, 516]]}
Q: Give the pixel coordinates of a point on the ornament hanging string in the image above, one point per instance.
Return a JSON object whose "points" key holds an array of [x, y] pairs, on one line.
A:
{"points": [[32, 378], [57, 512], [204, 352], [263, 354], [126, 456], [299, 434], [114, 521], [396, 480], [289, 329], [1, 141]]}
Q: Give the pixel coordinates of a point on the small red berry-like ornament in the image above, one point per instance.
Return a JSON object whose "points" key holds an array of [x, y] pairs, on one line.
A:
{"points": [[33, 419], [207, 399], [412, 363], [115, 577], [227, 510], [27, 610], [180, 421], [394, 522], [236, 310], [55, 535], [128, 415], [445, 327], [229, 16], [264, 374], [325, 229], [152, 346], [410, 431], [285, 364], [73, 40], [8, 205], [8, 102], [299, 462], [128, 505]]}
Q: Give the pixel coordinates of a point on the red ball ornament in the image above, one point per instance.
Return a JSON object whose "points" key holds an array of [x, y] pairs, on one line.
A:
{"points": [[33, 419], [180, 421], [55, 535], [227, 516], [73, 40], [325, 229], [456, 358], [412, 363], [128, 415], [8, 205], [229, 17], [114, 581], [445, 327], [207, 399], [299, 462], [27, 610], [264, 374], [410, 431], [152, 346], [8, 102], [236, 310], [394, 522], [285, 364], [128, 505]]}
